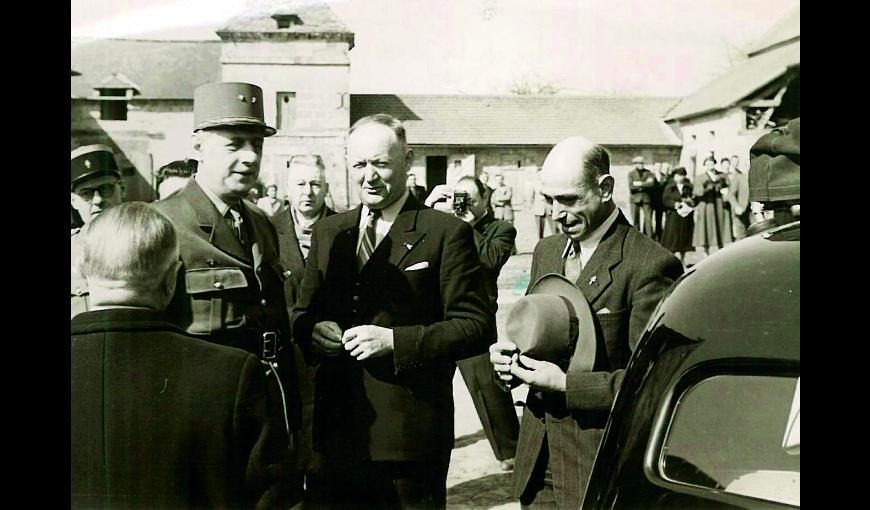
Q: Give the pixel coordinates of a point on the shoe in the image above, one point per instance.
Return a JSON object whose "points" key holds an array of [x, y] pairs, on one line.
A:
{"points": [[506, 465]]}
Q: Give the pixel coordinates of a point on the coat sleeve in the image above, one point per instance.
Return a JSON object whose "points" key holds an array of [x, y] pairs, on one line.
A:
{"points": [[670, 197], [309, 297], [468, 323], [262, 443], [595, 391], [496, 249]]}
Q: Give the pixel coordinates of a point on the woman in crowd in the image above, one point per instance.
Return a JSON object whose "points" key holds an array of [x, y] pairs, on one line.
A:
{"points": [[710, 225], [679, 221]]}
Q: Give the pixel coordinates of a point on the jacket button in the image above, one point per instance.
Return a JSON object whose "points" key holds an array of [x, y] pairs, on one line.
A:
{"points": [[210, 262], [356, 298], [287, 273], [260, 270], [263, 302], [218, 285]]}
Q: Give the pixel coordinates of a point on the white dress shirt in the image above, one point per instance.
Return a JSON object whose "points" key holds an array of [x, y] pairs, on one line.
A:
{"points": [[384, 223], [590, 244]]}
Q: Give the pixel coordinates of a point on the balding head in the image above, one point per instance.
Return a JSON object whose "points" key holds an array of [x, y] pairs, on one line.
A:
{"points": [[576, 178]]}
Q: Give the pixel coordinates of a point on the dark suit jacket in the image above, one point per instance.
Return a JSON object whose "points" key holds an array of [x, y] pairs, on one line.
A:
{"points": [[224, 294], [632, 274], [291, 256], [640, 193], [494, 240], [397, 407], [162, 420]]}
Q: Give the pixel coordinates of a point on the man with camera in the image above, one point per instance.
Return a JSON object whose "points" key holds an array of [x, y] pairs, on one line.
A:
{"points": [[494, 240]]}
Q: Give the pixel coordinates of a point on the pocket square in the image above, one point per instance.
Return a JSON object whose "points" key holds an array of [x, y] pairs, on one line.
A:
{"points": [[418, 266], [604, 310]]}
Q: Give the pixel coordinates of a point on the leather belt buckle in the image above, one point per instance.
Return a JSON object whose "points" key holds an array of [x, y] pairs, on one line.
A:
{"points": [[270, 345]]}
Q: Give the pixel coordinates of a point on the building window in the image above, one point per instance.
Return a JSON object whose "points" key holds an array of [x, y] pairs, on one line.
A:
{"points": [[286, 110]]}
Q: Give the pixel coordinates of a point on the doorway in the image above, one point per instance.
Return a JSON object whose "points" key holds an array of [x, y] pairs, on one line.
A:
{"points": [[436, 171]]}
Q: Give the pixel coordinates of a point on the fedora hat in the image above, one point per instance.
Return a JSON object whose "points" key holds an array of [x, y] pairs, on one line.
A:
{"points": [[224, 104], [90, 161], [553, 322]]}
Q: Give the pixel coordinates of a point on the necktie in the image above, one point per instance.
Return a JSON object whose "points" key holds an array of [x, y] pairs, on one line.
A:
{"points": [[369, 240], [573, 264], [234, 215]]}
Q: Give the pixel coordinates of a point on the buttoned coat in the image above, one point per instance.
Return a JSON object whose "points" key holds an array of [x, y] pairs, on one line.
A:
{"points": [[623, 281], [397, 407], [160, 419], [79, 293], [226, 294], [291, 255]]}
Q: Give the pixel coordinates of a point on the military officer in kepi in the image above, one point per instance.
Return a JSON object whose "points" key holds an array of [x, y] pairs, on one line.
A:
{"points": [[95, 185], [230, 290]]}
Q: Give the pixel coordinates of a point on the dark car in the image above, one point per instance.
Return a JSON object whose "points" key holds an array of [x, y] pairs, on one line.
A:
{"points": [[708, 415]]}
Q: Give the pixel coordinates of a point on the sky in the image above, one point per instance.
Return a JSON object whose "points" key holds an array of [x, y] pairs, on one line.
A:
{"points": [[601, 47]]}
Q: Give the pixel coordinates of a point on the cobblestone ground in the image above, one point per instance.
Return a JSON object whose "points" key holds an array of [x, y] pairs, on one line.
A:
{"points": [[474, 480]]}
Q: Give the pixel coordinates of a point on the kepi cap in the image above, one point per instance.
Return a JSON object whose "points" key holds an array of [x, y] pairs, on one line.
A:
{"points": [[775, 165], [229, 104], [553, 322], [92, 160]]}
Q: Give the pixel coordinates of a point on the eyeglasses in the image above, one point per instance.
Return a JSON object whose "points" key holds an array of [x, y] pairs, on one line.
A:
{"points": [[105, 190]]}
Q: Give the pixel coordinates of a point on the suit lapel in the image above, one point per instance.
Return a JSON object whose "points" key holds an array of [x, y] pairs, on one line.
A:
{"points": [[212, 226], [596, 274], [399, 242]]}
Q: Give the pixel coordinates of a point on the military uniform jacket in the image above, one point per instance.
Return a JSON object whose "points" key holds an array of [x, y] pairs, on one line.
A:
{"points": [[79, 294], [162, 420], [627, 275], [226, 294], [423, 281]]}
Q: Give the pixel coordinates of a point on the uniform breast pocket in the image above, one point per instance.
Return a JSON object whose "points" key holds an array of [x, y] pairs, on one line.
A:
{"points": [[216, 298]]}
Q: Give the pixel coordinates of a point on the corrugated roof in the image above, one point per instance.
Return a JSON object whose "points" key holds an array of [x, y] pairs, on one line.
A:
{"points": [[785, 29], [160, 69], [739, 82], [522, 120]]}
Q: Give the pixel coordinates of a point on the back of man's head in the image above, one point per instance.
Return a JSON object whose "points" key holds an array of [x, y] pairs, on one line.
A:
{"points": [[130, 257]]}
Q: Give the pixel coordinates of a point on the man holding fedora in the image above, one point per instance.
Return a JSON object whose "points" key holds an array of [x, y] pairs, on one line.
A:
{"points": [[95, 185], [622, 274], [230, 289]]}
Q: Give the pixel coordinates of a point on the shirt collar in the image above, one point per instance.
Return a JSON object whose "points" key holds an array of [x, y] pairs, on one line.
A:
{"points": [[389, 213], [222, 206], [588, 245], [302, 221]]}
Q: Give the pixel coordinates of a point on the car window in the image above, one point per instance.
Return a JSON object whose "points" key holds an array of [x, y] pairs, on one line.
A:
{"points": [[738, 434]]}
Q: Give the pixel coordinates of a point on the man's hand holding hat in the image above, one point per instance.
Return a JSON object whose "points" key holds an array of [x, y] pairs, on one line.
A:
{"points": [[502, 355], [540, 375]]}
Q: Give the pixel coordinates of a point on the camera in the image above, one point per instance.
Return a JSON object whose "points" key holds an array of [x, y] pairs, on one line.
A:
{"points": [[460, 203]]}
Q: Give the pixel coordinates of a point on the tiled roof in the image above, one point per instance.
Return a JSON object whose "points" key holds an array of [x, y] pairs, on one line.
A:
{"points": [[117, 81], [739, 82], [785, 29], [523, 120], [160, 69], [316, 17]]}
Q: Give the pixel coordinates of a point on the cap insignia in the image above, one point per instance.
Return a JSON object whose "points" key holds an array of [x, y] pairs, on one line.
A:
{"points": [[87, 163], [241, 98]]}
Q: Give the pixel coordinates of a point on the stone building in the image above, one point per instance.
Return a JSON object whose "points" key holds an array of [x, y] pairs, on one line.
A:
{"points": [[729, 114], [137, 96], [455, 136]]}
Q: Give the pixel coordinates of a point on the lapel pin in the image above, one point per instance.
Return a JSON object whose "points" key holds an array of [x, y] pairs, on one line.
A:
{"points": [[409, 245], [593, 280]]}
